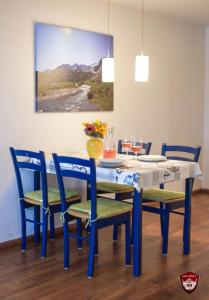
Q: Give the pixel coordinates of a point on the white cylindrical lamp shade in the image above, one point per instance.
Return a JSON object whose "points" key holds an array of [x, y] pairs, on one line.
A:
{"points": [[142, 68], [108, 69]]}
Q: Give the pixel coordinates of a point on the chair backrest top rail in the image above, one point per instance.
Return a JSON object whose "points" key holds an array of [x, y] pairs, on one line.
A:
{"points": [[27, 153], [180, 150]]}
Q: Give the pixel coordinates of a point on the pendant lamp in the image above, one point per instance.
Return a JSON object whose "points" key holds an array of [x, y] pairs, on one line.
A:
{"points": [[142, 61], [108, 66]]}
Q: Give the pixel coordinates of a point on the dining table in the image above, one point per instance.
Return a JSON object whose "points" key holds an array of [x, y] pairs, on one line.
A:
{"points": [[141, 175]]}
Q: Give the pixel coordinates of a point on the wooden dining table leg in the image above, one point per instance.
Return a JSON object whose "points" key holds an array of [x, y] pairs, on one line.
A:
{"points": [[137, 233], [187, 217]]}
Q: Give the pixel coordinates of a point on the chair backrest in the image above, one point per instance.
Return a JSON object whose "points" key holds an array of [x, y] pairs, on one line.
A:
{"points": [[22, 160], [145, 146], [179, 152], [76, 168]]}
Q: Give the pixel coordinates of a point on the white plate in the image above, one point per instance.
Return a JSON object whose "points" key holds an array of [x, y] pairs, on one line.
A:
{"points": [[151, 158], [112, 162]]}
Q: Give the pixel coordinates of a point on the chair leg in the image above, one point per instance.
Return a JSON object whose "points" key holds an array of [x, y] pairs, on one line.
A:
{"points": [[187, 218], [79, 234], [166, 215], [44, 234], [115, 232], [128, 243], [115, 227], [88, 192], [91, 251], [186, 232], [23, 227], [96, 252], [36, 226], [66, 246], [119, 197], [132, 226], [52, 229], [161, 219]]}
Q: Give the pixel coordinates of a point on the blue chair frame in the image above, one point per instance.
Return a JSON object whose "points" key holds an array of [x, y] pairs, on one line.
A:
{"points": [[167, 208], [127, 195], [39, 170], [95, 223]]}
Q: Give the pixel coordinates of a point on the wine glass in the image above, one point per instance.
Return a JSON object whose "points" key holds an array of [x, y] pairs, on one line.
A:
{"points": [[126, 144], [136, 145]]}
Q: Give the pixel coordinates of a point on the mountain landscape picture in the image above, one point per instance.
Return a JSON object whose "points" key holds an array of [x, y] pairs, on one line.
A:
{"points": [[68, 70]]}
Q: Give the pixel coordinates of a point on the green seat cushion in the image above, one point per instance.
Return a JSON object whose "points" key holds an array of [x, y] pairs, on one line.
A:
{"points": [[162, 195], [113, 187], [53, 195], [105, 207]]}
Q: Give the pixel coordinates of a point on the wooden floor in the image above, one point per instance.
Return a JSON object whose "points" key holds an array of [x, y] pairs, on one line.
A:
{"points": [[27, 276]]}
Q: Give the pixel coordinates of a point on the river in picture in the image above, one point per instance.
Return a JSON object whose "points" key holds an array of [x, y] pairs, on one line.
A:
{"points": [[73, 100]]}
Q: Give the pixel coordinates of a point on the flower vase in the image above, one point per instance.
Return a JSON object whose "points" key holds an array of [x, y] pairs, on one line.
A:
{"points": [[94, 148]]}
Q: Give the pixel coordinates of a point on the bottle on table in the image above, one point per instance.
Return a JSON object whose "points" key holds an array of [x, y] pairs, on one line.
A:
{"points": [[109, 144]]}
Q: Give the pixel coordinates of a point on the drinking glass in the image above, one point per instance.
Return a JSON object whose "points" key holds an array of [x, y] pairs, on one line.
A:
{"points": [[136, 145], [126, 144]]}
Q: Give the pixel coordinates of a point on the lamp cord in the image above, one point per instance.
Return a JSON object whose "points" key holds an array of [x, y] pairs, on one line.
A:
{"points": [[142, 28], [108, 28]]}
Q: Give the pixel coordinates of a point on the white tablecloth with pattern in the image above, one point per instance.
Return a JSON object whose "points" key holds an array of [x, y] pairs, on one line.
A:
{"points": [[136, 173]]}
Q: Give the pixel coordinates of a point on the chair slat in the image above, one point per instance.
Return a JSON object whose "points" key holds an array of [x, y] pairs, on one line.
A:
{"points": [[74, 161], [75, 174], [27, 153], [28, 165], [179, 148], [179, 158]]}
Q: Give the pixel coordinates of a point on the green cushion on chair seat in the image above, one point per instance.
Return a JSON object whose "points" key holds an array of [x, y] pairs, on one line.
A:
{"points": [[162, 195], [53, 195], [113, 187], [105, 208]]}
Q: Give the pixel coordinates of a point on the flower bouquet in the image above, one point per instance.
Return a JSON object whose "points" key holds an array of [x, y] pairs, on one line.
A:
{"points": [[97, 131]]}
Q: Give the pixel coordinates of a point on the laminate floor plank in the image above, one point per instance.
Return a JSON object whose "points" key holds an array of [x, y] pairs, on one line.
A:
{"points": [[25, 276]]}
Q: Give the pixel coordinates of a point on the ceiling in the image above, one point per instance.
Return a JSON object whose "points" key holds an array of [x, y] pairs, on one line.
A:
{"points": [[192, 10]]}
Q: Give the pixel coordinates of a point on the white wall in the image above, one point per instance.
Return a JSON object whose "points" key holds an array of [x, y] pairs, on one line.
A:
{"points": [[167, 109], [206, 116]]}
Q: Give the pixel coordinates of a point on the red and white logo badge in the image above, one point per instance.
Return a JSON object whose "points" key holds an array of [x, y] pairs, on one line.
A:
{"points": [[189, 281]]}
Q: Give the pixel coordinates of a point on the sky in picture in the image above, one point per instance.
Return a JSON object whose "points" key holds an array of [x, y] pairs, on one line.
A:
{"points": [[55, 45]]}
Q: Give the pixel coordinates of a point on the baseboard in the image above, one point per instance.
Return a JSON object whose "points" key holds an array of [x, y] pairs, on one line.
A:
{"points": [[17, 242], [197, 191], [203, 190]]}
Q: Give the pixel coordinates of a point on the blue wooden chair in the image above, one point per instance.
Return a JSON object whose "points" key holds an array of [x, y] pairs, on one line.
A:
{"points": [[46, 199], [120, 191], [170, 200], [99, 212]]}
